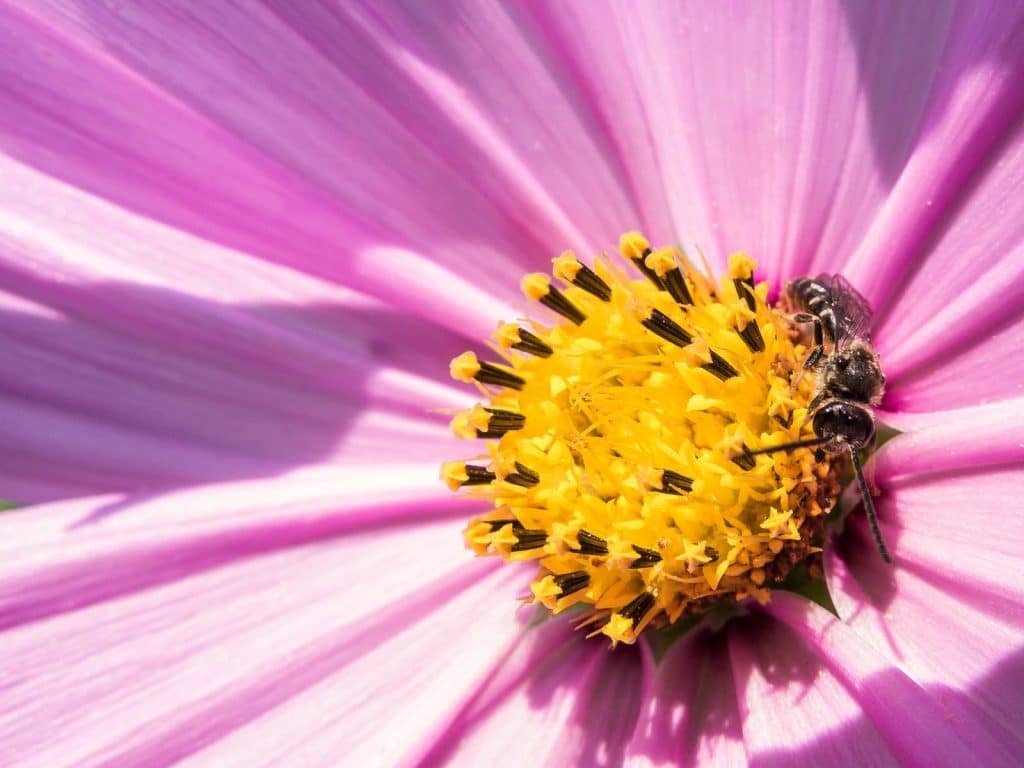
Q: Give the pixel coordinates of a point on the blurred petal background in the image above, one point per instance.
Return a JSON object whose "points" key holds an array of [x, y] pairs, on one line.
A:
{"points": [[239, 244]]}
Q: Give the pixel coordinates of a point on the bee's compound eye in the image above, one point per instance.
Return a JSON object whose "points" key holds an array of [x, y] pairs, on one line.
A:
{"points": [[849, 422]]}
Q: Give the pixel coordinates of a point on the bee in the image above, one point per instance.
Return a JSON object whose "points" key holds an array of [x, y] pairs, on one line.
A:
{"points": [[849, 377]]}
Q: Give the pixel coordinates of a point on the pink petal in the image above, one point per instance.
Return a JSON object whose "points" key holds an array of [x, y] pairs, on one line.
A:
{"points": [[946, 463], [975, 96], [433, 178], [691, 716], [925, 522], [460, 85], [439, 169], [773, 160], [97, 261], [986, 369], [163, 629], [559, 700], [898, 708], [417, 666], [223, 366], [792, 708], [784, 130], [108, 546], [954, 440], [949, 612], [966, 286]]}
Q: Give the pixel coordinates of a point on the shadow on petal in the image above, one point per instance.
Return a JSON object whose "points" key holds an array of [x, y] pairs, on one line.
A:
{"points": [[116, 387], [568, 701], [1003, 683], [913, 56]]}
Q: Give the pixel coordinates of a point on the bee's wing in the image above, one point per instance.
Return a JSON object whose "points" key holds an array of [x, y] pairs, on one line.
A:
{"points": [[852, 311]]}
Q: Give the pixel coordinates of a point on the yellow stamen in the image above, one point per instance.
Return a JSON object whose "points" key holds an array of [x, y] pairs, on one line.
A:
{"points": [[454, 474], [661, 261], [536, 286], [507, 335], [566, 267], [468, 424], [618, 440], [464, 367], [633, 246]]}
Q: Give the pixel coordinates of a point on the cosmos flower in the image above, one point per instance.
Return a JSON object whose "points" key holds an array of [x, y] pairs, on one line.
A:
{"points": [[239, 246]]}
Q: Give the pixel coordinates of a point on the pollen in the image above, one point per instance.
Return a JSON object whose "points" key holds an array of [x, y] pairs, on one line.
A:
{"points": [[614, 441]]}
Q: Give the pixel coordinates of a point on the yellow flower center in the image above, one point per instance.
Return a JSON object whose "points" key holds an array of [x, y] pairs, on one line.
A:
{"points": [[617, 438]]}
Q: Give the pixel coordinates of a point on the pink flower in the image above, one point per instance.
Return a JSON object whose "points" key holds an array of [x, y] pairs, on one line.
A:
{"points": [[239, 245]]}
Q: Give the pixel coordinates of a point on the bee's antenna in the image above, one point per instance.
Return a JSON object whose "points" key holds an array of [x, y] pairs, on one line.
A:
{"points": [[869, 506], [808, 443]]}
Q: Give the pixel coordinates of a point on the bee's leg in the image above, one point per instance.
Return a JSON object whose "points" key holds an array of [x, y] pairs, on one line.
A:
{"points": [[818, 399], [816, 351], [819, 339], [812, 406]]}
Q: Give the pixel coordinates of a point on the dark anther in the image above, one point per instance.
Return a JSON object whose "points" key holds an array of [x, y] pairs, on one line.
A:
{"points": [[650, 274], [523, 476], [555, 300], [637, 608], [568, 583], [529, 342], [529, 538], [499, 524], [745, 290], [720, 367], [751, 335], [667, 328], [745, 460], [675, 284], [786, 422], [645, 557], [591, 282], [711, 552], [478, 475], [673, 482], [490, 373], [591, 544], [501, 422]]}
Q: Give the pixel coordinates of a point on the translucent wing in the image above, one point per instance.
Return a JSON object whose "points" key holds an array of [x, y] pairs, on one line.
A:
{"points": [[851, 309]]}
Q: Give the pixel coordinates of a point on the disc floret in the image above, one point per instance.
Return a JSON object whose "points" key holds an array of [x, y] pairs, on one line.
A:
{"points": [[616, 439]]}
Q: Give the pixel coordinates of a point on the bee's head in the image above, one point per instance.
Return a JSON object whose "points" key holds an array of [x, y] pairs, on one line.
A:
{"points": [[854, 374], [844, 424]]}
